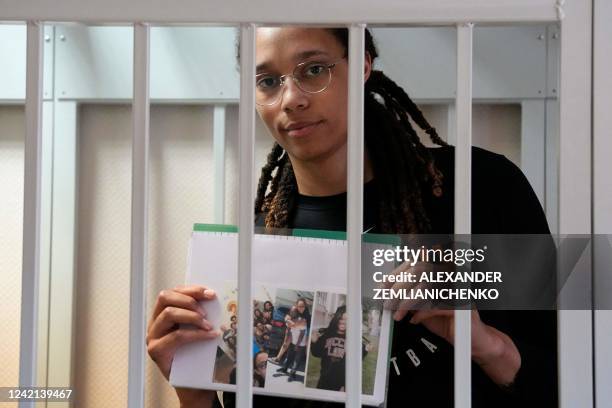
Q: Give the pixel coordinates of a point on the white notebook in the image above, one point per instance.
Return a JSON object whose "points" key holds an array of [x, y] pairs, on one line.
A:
{"points": [[299, 287]]}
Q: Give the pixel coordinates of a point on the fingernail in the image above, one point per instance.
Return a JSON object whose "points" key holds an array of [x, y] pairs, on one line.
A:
{"points": [[209, 292]]}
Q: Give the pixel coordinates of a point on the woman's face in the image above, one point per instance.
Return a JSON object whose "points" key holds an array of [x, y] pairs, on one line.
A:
{"points": [[342, 324], [309, 126], [261, 362], [301, 306]]}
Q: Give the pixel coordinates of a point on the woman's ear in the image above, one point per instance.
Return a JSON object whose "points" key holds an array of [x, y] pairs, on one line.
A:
{"points": [[367, 66]]}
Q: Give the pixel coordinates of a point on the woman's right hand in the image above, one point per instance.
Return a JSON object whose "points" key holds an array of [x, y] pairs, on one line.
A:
{"points": [[174, 307]]}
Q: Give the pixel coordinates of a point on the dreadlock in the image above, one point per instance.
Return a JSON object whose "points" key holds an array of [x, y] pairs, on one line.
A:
{"points": [[403, 167]]}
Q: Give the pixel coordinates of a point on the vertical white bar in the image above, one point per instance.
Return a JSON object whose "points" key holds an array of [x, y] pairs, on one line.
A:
{"points": [[451, 119], [244, 366], [575, 328], [354, 221], [219, 160], [552, 165], [61, 334], [602, 192], [463, 203], [140, 164], [31, 209], [533, 147], [44, 312]]}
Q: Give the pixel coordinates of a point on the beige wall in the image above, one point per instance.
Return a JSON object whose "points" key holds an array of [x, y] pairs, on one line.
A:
{"points": [[103, 263], [12, 130], [495, 127]]}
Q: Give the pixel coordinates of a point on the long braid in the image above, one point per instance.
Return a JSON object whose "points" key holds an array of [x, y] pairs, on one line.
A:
{"points": [[281, 204], [404, 168], [266, 175]]}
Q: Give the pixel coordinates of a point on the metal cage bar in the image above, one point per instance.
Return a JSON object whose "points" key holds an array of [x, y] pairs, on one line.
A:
{"points": [[339, 12], [219, 161], [354, 221], [575, 327], [139, 232], [244, 367], [602, 195], [463, 205], [28, 341]]}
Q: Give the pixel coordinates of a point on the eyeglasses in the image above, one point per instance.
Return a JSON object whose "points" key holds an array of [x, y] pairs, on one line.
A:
{"points": [[310, 77]]}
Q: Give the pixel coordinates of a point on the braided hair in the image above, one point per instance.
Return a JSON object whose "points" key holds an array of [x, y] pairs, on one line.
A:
{"points": [[403, 167]]}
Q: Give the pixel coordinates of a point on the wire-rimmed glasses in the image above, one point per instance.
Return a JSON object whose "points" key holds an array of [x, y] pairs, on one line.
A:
{"points": [[309, 76]]}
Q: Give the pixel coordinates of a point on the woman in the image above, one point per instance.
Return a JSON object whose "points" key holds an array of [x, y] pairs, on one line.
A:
{"points": [[257, 316], [297, 323], [328, 345], [260, 363], [280, 356], [409, 189]]}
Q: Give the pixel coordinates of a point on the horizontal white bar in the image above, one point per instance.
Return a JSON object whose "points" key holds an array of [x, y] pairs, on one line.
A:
{"points": [[244, 366], [140, 164], [354, 220], [28, 341], [276, 12]]}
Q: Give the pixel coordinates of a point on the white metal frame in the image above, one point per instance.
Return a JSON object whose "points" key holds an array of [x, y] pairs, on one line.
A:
{"points": [[463, 204], [576, 382], [28, 341], [575, 214], [354, 222], [602, 190], [139, 233], [246, 153]]}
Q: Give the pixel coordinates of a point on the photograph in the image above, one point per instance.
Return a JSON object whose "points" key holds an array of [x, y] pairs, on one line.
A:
{"points": [[326, 363], [289, 339], [225, 359], [263, 345]]}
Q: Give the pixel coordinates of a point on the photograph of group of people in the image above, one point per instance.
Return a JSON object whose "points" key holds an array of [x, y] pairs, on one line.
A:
{"points": [[298, 340]]}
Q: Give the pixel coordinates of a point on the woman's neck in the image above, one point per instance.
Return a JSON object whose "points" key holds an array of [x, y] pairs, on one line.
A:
{"points": [[326, 177]]}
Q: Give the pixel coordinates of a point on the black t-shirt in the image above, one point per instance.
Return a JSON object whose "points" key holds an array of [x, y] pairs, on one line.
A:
{"points": [[421, 363], [330, 348]]}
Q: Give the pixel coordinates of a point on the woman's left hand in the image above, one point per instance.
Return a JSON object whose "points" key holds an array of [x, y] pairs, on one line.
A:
{"points": [[492, 349]]}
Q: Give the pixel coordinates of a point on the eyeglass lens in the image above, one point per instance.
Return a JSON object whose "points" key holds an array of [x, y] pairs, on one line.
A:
{"points": [[311, 78]]}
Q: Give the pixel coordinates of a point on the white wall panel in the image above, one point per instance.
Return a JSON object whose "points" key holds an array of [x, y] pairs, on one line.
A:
{"points": [[198, 64], [194, 63], [94, 62], [509, 62], [12, 55], [187, 63]]}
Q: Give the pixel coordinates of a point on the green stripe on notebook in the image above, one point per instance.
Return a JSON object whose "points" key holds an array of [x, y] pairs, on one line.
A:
{"points": [[215, 228], [323, 234], [307, 233]]}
